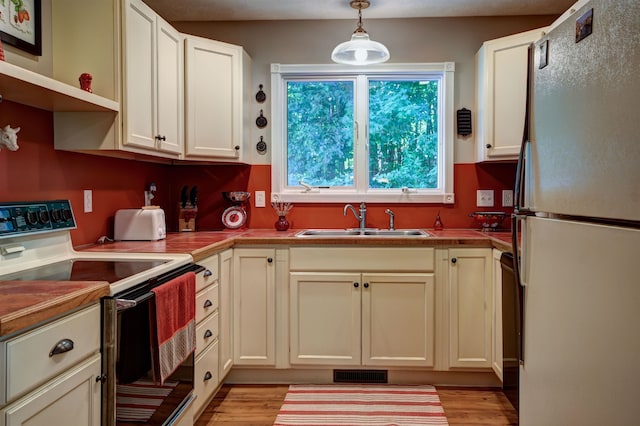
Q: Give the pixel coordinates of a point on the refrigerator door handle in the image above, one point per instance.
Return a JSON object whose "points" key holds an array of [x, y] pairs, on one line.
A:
{"points": [[519, 205]]}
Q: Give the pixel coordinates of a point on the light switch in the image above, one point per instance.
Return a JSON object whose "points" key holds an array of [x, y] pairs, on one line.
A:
{"points": [[484, 198], [260, 199]]}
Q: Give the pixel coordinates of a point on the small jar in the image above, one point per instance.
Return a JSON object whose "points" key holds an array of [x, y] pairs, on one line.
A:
{"points": [[282, 224]]}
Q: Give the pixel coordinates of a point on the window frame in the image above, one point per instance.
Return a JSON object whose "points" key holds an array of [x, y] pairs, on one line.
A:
{"points": [[281, 73]]}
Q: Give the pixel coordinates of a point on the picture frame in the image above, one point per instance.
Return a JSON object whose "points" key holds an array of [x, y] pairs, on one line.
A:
{"points": [[544, 54], [584, 25], [21, 25]]}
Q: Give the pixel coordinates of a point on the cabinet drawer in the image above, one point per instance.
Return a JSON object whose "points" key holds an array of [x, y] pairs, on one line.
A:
{"points": [[374, 259], [210, 274], [206, 302], [28, 363], [206, 332], [206, 375]]}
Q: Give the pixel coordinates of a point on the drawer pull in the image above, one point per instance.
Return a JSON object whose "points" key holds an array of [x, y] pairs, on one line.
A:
{"points": [[101, 379], [207, 303], [64, 345], [208, 334], [208, 273], [207, 376]]}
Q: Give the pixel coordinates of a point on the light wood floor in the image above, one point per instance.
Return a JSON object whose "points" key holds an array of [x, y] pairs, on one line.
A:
{"points": [[259, 405]]}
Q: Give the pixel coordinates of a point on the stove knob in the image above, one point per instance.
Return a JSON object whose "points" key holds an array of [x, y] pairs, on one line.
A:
{"points": [[43, 216], [66, 214], [56, 215], [32, 218]]}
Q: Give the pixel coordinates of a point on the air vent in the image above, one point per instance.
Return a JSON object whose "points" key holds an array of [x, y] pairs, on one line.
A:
{"points": [[360, 376]]}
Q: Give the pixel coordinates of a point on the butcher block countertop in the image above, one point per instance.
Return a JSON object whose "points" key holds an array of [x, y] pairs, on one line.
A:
{"points": [[26, 303], [205, 243]]}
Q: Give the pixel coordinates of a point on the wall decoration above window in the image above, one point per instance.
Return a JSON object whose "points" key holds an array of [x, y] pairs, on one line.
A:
{"points": [[20, 25]]}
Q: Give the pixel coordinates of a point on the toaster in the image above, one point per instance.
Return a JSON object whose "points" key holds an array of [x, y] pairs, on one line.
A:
{"points": [[140, 225]]}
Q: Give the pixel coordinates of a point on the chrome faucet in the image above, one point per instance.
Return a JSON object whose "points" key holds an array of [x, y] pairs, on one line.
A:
{"points": [[362, 217], [391, 219]]}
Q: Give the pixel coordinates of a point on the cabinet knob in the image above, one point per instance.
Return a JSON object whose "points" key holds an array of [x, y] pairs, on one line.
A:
{"points": [[208, 334], [64, 345], [269, 260], [102, 378], [488, 146], [454, 260], [207, 376], [237, 147], [356, 285], [207, 273], [366, 285], [207, 303]]}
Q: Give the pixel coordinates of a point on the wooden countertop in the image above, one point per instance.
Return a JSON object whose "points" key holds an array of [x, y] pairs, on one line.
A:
{"points": [[205, 243], [26, 303]]}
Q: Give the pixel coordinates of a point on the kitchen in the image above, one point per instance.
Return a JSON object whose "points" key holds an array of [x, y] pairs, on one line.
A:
{"points": [[37, 171]]}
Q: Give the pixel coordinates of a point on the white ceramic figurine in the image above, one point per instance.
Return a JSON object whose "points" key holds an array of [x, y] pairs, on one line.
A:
{"points": [[9, 138]]}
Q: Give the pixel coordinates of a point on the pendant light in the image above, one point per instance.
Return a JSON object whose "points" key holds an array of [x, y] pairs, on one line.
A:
{"points": [[360, 50]]}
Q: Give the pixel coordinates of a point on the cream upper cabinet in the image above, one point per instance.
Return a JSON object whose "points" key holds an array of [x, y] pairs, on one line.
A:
{"points": [[501, 86], [153, 81], [254, 311], [470, 296], [342, 316], [216, 73]]}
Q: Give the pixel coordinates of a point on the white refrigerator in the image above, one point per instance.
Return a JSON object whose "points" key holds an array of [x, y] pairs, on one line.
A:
{"points": [[578, 221]]}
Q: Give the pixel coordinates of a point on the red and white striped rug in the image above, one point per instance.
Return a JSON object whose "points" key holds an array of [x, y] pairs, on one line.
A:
{"points": [[137, 401], [361, 405]]}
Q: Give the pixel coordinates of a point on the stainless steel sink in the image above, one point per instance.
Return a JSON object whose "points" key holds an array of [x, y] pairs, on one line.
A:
{"points": [[362, 233]]}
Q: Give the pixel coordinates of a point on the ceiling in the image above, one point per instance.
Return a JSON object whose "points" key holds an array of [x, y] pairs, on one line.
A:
{"points": [[251, 10]]}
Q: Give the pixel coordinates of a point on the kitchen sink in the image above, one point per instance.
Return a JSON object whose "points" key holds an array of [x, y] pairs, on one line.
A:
{"points": [[362, 233]]}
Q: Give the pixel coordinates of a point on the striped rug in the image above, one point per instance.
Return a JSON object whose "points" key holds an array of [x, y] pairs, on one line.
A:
{"points": [[137, 401], [361, 405]]}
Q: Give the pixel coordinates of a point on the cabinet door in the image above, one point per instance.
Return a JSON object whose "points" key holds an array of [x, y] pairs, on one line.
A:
{"points": [[213, 99], [72, 398], [254, 310], [398, 319], [225, 312], [139, 75], [502, 84], [471, 299], [325, 318], [496, 353], [170, 105]]}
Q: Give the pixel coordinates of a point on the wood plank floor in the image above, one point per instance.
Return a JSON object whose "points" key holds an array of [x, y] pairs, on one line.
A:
{"points": [[258, 405]]}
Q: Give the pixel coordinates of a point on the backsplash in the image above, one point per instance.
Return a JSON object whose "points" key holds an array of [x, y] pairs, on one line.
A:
{"points": [[36, 171]]}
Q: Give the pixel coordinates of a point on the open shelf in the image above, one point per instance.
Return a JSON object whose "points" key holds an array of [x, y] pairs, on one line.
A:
{"points": [[29, 88]]}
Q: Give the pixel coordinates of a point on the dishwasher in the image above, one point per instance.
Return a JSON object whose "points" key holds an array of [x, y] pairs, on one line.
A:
{"points": [[512, 322]]}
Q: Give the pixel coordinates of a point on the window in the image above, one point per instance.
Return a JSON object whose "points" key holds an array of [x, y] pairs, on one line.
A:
{"points": [[381, 133]]}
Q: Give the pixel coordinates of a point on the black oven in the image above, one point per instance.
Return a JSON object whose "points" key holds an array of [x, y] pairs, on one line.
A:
{"points": [[130, 393]]}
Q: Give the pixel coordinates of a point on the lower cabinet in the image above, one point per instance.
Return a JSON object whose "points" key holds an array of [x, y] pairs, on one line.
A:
{"points": [[254, 310], [40, 386], [346, 307], [71, 399], [225, 344], [362, 319], [496, 319], [470, 295], [206, 374]]}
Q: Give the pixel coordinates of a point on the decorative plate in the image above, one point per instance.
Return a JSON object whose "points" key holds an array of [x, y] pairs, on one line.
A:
{"points": [[261, 121], [261, 96], [234, 217]]}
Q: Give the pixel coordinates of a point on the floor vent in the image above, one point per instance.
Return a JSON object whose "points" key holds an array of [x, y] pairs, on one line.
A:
{"points": [[360, 376]]}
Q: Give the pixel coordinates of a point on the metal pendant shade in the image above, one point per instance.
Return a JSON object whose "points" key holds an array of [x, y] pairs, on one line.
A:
{"points": [[360, 50]]}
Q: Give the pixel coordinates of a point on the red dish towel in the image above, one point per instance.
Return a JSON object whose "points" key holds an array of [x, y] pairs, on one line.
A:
{"points": [[173, 321]]}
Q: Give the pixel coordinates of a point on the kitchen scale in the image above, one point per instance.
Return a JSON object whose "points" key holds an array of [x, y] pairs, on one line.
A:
{"points": [[235, 216]]}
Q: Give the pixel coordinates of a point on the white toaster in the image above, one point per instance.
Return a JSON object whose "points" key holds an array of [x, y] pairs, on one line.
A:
{"points": [[140, 225]]}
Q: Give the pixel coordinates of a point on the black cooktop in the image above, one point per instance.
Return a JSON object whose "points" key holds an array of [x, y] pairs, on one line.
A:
{"points": [[84, 270]]}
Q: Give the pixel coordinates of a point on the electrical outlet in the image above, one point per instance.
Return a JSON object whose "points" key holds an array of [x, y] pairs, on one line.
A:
{"points": [[88, 201], [260, 199], [484, 198], [507, 198]]}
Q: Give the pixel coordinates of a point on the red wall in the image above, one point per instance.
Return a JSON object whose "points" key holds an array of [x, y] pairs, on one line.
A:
{"points": [[38, 172]]}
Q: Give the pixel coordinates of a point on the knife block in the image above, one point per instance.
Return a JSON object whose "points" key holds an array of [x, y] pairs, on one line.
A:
{"points": [[187, 218]]}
